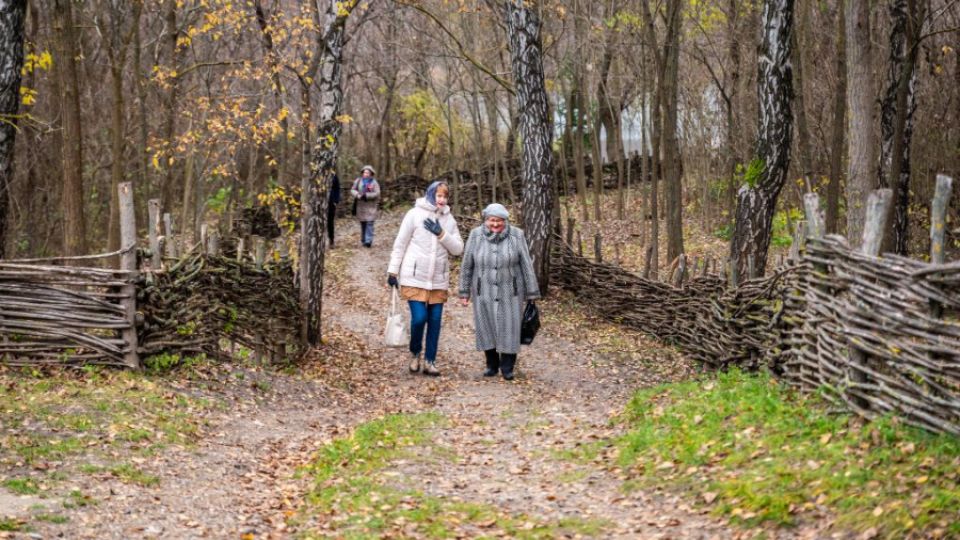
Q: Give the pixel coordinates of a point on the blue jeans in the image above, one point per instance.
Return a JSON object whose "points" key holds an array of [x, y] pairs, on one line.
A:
{"points": [[366, 232], [429, 316]]}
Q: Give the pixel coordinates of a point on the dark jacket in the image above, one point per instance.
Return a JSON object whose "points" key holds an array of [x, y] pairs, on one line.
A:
{"points": [[334, 196]]}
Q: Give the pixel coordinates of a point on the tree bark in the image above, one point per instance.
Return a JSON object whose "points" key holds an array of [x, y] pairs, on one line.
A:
{"points": [[799, 104], [169, 189], [74, 224], [733, 90], [12, 16], [523, 28], [839, 128], [896, 116], [766, 174], [673, 189], [863, 139], [323, 163]]}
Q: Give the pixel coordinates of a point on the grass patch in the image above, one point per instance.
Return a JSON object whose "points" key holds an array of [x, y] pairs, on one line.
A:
{"points": [[356, 499], [52, 518], [761, 454], [11, 525], [21, 486]]}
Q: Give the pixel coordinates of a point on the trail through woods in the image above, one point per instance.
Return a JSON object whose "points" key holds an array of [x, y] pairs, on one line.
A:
{"points": [[502, 438]]}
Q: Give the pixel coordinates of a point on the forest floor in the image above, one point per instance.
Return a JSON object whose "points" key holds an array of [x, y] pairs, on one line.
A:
{"points": [[231, 450]]}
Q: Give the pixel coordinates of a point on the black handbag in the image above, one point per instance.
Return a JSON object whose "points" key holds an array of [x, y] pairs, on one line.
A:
{"points": [[353, 210], [530, 323]]}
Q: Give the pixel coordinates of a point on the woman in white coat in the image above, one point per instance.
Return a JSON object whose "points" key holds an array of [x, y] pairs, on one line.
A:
{"points": [[420, 266]]}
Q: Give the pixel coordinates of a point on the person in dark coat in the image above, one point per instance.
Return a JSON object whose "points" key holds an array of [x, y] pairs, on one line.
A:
{"points": [[497, 273], [333, 200]]}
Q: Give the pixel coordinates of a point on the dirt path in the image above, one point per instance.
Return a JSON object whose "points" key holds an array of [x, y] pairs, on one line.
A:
{"points": [[506, 434], [238, 480]]}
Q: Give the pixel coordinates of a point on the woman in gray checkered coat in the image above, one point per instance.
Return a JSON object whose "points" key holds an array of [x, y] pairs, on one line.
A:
{"points": [[497, 274]]}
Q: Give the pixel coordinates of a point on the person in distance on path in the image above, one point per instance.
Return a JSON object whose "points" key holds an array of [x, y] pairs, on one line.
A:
{"points": [[497, 273], [420, 266], [366, 194]]}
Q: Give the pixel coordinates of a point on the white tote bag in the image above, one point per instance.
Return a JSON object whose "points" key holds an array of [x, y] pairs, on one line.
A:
{"points": [[395, 334]]}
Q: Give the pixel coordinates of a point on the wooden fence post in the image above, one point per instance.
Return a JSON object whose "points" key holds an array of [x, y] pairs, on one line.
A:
{"points": [[938, 225], [751, 267], [153, 233], [213, 244], [570, 225], [878, 206], [647, 262], [734, 273], [597, 247], [259, 245], [128, 262], [169, 243]]}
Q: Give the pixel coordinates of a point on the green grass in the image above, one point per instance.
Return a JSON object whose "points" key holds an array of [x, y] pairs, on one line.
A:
{"points": [[52, 518], [764, 455], [21, 486], [64, 418], [358, 501]]}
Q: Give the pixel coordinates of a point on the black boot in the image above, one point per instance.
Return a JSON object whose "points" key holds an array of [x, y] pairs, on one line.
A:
{"points": [[493, 363], [507, 362]]}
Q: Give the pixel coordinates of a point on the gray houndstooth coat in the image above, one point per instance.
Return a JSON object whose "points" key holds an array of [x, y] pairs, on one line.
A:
{"points": [[498, 275]]}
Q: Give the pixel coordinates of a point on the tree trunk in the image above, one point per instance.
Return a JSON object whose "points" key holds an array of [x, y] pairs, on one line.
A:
{"points": [[757, 198], [896, 117], [799, 104], [733, 90], [116, 167], [673, 189], [74, 224], [12, 16], [143, 159], [169, 189], [523, 28], [323, 163], [838, 130], [578, 157], [863, 138]]}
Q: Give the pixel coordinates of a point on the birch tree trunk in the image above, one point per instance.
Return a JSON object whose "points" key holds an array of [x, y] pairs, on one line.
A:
{"points": [[74, 224], [896, 116], [863, 138], [523, 29], [323, 162], [12, 15], [766, 174]]}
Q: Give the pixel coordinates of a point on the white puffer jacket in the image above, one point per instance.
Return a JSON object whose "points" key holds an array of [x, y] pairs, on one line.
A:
{"points": [[419, 258]]}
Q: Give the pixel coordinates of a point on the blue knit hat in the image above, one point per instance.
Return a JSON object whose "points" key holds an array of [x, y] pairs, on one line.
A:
{"points": [[496, 210]]}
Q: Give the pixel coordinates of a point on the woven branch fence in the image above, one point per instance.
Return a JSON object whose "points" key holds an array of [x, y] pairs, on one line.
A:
{"points": [[204, 300], [880, 335], [62, 315]]}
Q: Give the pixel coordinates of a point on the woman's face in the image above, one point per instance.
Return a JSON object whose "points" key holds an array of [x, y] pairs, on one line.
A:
{"points": [[495, 224], [441, 198], [366, 173]]}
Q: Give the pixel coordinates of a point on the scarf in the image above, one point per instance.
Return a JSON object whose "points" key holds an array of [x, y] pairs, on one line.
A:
{"points": [[496, 238]]}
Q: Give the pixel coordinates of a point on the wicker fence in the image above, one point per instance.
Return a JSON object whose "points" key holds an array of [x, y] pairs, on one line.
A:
{"points": [[181, 298], [880, 335]]}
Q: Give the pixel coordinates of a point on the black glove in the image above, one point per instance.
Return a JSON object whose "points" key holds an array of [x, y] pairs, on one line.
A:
{"points": [[392, 281], [363, 196], [433, 226]]}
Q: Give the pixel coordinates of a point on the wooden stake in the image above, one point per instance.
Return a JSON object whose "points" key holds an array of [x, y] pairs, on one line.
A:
{"points": [[153, 233], [128, 262]]}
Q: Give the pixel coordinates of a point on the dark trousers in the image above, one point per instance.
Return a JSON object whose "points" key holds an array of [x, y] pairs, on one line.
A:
{"points": [[503, 361], [331, 220]]}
